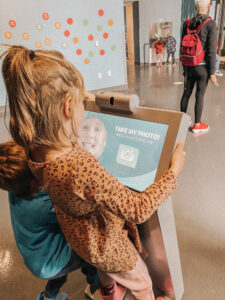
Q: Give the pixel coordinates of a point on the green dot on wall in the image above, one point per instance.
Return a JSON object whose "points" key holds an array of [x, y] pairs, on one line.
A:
{"points": [[39, 27], [85, 22], [90, 54], [64, 45], [113, 47], [99, 27]]}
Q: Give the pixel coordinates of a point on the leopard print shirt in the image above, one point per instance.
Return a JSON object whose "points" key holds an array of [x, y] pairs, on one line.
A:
{"points": [[98, 214]]}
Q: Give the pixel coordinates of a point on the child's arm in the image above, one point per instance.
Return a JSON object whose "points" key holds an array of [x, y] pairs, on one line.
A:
{"points": [[109, 194]]}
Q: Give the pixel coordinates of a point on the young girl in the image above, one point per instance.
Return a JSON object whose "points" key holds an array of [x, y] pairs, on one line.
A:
{"points": [[36, 230], [97, 214], [159, 52]]}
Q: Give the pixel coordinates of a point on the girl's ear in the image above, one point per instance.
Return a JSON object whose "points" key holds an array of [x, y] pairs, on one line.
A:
{"points": [[68, 108]]}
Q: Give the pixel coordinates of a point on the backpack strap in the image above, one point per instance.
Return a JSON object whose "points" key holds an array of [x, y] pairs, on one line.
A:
{"points": [[201, 25]]}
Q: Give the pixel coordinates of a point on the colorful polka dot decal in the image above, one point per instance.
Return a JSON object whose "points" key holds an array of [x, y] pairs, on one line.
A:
{"points": [[79, 51], [25, 36], [45, 16], [64, 45], [76, 40], [85, 22], [99, 37], [101, 12], [12, 23], [8, 35], [47, 42], [110, 22], [58, 25], [90, 37], [86, 61], [70, 21], [67, 33], [38, 44], [39, 27], [99, 27]]}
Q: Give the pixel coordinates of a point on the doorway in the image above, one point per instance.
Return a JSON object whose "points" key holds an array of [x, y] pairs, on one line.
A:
{"points": [[131, 17]]}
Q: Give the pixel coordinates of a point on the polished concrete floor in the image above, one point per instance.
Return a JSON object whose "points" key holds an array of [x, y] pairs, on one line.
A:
{"points": [[199, 201]]}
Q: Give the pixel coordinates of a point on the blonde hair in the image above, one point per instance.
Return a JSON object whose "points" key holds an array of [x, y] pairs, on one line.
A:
{"points": [[15, 175], [37, 84], [202, 4]]}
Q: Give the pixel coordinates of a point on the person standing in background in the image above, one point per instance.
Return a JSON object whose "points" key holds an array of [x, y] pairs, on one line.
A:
{"points": [[171, 48], [205, 70], [159, 50]]}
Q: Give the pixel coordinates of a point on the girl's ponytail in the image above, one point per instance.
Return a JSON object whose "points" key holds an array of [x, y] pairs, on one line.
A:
{"points": [[17, 74]]}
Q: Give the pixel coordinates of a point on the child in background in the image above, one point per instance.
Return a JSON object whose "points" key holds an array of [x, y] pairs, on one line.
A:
{"points": [[218, 72], [36, 229], [171, 48], [159, 52], [98, 215]]}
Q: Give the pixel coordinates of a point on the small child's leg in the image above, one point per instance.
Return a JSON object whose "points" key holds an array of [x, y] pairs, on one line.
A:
{"points": [[137, 281]]}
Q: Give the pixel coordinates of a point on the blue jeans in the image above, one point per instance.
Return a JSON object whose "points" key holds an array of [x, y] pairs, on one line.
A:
{"points": [[217, 62], [56, 282]]}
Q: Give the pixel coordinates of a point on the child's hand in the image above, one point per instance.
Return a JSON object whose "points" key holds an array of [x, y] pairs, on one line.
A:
{"points": [[178, 159]]}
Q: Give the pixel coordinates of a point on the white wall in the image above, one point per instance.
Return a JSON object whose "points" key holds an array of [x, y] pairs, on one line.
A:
{"points": [[155, 11]]}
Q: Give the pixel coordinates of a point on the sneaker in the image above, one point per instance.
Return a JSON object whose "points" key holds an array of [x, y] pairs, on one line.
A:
{"points": [[58, 297], [119, 293], [201, 127], [218, 73]]}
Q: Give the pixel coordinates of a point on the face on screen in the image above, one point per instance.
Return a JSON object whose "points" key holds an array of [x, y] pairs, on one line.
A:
{"points": [[92, 136]]}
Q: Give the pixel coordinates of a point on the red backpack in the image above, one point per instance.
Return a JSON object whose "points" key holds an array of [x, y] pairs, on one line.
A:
{"points": [[191, 50]]}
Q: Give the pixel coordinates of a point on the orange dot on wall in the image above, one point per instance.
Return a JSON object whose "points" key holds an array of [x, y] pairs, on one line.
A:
{"points": [[12, 23], [102, 52], [70, 21], [79, 51], [25, 36], [66, 33], [110, 22], [101, 12], [58, 25], [38, 44], [45, 16], [47, 42], [90, 37], [75, 40], [105, 35], [8, 35], [87, 61]]}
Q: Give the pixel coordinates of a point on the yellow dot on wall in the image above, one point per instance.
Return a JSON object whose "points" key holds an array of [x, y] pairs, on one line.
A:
{"points": [[8, 35], [47, 42], [25, 36], [87, 61], [38, 44], [75, 40], [58, 25], [110, 22]]}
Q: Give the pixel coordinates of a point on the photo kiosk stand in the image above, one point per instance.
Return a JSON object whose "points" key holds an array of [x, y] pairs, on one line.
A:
{"points": [[158, 234]]}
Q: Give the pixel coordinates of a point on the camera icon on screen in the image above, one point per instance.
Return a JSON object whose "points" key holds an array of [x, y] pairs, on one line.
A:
{"points": [[127, 156]]}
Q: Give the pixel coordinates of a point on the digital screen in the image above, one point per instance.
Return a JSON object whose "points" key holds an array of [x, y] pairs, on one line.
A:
{"points": [[129, 149]]}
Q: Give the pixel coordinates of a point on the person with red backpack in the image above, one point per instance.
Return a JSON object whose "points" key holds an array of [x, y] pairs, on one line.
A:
{"points": [[198, 56]]}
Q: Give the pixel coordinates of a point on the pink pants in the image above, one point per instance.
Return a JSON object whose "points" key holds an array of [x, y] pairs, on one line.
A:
{"points": [[137, 281]]}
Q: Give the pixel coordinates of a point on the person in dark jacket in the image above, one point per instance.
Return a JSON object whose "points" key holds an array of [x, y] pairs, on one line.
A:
{"points": [[204, 71]]}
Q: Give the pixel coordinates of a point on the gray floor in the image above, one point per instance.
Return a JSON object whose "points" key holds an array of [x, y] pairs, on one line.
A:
{"points": [[198, 202]]}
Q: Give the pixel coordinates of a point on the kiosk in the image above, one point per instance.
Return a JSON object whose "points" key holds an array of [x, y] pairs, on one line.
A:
{"points": [[135, 144]]}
